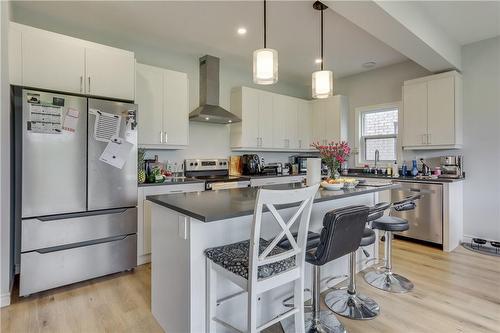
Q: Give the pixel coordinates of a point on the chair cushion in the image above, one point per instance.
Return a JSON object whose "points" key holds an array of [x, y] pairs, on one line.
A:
{"points": [[368, 237], [234, 257], [391, 223], [312, 241]]}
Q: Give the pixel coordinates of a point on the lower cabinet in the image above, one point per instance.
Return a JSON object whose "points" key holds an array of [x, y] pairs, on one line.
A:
{"points": [[266, 181], [144, 214]]}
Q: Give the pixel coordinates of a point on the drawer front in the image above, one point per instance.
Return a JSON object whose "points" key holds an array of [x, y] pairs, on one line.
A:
{"points": [[42, 271], [62, 230]]}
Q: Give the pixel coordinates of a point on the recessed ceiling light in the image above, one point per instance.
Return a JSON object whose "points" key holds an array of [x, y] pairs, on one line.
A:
{"points": [[369, 64], [242, 31], [229, 121], [206, 118], [318, 61]]}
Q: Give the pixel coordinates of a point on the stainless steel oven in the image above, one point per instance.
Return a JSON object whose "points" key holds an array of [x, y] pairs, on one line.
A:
{"points": [[426, 220]]}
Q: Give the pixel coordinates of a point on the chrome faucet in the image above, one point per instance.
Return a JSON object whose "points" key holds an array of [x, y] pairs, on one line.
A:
{"points": [[377, 159]]}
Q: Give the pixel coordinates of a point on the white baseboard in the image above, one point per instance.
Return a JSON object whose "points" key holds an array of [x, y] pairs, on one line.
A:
{"points": [[144, 259], [4, 300]]}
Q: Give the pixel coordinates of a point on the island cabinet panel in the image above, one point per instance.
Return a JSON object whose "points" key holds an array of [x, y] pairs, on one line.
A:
{"points": [[432, 112], [144, 214], [162, 96], [46, 60]]}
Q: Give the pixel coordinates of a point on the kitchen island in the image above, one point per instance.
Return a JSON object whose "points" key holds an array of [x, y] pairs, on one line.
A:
{"points": [[184, 225]]}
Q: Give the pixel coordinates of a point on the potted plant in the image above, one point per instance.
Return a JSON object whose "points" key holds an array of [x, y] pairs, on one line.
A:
{"points": [[333, 154]]}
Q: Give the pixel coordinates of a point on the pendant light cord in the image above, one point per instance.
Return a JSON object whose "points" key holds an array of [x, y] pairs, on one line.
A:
{"points": [[265, 19], [322, 60]]}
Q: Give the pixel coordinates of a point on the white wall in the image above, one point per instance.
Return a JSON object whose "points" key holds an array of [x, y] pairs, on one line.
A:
{"points": [[379, 86], [4, 158], [481, 74]]}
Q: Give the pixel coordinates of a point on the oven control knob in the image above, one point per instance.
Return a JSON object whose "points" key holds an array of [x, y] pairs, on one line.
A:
{"points": [[196, 164], [225, 163], [220, 163], [191, 164]]}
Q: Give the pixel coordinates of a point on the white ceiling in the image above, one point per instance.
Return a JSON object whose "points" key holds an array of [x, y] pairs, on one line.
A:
{"points": [[206, 27], [465, 21]]}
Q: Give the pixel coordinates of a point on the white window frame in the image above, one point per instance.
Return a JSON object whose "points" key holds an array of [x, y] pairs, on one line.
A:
{"points": [[359, 139]]}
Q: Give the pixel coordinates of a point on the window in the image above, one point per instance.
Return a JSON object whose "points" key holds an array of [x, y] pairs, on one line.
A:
{"points": [[378, 131]]}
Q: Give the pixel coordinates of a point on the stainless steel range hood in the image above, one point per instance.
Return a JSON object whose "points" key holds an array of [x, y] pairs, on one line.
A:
{"points": [[209, 110]]}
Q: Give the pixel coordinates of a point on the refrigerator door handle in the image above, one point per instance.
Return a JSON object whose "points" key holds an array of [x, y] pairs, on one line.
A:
{"points": [[161, 136], [75, 245], [81, 83], [82, 214], [89, 85]]}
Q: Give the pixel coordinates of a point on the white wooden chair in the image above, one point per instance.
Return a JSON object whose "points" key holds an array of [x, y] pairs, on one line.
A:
{"points": [[265, 266]]}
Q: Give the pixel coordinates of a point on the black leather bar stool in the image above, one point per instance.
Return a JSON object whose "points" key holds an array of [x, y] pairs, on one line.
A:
{"points": [[341, 234], [383, 277], [348, 302]]}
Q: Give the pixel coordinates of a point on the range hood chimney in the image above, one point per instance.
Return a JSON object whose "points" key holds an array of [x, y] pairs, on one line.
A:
{"points": [[209, 110]]}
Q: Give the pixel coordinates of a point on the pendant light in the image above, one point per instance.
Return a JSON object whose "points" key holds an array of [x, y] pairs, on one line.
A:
{"points": [[322, 81], [265, 61]]}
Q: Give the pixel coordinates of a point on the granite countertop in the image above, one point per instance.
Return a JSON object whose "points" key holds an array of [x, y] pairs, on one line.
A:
{"points": [[406, 179], [174, 181], [211, 206]]}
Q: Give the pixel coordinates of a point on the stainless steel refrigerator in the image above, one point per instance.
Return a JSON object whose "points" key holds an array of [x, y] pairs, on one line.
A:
{"points": [[75, 212]]}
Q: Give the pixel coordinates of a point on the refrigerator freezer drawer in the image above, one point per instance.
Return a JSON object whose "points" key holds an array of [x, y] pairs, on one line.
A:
{"points": [[60, 230], [42, 271]]}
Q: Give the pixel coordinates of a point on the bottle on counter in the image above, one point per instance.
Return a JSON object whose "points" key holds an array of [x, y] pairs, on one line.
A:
{"points": [[395, 169], [389, 170], [404, 169], [414, 169]]}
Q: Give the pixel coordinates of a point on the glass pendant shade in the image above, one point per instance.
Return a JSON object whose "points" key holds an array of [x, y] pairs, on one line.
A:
{"points": [[322, 84], [265, 66]]}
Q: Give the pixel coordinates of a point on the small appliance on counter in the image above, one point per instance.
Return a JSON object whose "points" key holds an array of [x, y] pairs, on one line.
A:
{"points": [[235, 166], [251, 164], [215, 173], [452, 167], [301, 161], [273, 169]]}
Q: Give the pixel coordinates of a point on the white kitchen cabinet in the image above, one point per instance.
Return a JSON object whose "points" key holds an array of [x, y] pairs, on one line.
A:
{"points": [[162, 97], [266, 181], [432, 112], [149, 98], [48, 60], [270, 121], [176, 112], [109, 72], [51, 61], [144, 213], [15, 56], [330, 119], [304, 124]]}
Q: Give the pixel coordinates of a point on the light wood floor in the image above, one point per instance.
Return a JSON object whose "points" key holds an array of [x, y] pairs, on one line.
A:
{"points": [[456, 292]]}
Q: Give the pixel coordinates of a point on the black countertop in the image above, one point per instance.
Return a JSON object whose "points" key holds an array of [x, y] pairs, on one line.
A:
{"points": [[405, 179], [211, 206]]}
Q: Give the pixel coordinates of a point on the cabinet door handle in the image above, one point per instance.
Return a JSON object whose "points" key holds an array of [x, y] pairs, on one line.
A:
{"points": [[176, 191], [261, 144], [89, 85], [161, 137], [258, 142], [166, 137], [428, 139], [81, 83], [424, 139]]}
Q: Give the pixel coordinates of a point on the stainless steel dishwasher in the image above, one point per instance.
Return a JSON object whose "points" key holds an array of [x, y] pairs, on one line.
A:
{"points": [[426, 220]]}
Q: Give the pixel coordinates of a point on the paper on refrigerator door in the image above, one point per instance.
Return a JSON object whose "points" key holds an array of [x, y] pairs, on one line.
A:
{"points": [[45, 119], [71, 120], [117, 152], [107, 125]]}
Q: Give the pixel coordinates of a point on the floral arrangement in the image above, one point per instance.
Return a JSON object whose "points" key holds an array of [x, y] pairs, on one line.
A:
{"points": [[333, 154]]}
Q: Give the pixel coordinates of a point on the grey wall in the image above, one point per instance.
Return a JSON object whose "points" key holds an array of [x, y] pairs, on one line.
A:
{"points": [[4, 157], [481, 73]]}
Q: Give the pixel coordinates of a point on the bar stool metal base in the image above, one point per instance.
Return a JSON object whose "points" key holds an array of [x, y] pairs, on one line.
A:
{"points": [[387, 280], [353, 306], [327, 323]]}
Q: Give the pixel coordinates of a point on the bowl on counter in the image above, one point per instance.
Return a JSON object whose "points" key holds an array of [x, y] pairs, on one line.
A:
{"points": [[332, 187], [351, 183]]}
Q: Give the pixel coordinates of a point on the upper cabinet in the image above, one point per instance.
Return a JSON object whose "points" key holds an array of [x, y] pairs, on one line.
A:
{"points": [[282, 123], [432, 112], [46, 60], [330, 119], [163, 117]]}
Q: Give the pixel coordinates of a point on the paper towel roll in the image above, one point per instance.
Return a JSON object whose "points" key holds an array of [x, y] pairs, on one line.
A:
{"points": [[313, 171]]}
